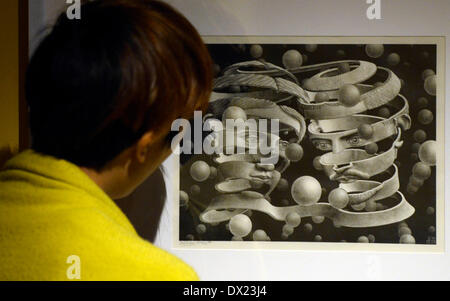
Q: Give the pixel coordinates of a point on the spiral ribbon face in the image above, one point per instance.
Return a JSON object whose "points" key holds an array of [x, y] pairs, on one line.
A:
{"points": [[267, 91]]}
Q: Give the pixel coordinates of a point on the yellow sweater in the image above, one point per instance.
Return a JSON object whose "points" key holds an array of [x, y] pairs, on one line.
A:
{"points": [[51, 210]]}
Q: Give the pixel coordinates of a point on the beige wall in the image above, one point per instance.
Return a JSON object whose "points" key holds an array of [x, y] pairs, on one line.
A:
{"points": [[9, 73]]}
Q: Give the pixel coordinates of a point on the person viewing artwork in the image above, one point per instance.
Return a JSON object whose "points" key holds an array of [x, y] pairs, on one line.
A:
{"points": [[102, 92]]}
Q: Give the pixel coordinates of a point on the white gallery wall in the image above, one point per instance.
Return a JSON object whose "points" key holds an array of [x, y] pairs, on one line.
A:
{"points": [[301, 18]]}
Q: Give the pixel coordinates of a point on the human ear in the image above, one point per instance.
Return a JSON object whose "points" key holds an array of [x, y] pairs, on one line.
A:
{"points": [[143, 146]]}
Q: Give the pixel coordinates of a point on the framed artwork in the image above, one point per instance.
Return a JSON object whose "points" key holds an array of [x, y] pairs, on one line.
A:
{"points": [[314, 143]]}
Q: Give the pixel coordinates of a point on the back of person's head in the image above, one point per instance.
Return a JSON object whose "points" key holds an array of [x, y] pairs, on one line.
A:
{"points": [[96, 85]]}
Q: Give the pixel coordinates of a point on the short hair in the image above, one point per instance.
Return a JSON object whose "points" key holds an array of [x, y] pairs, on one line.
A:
{"points": [[94, 86]]}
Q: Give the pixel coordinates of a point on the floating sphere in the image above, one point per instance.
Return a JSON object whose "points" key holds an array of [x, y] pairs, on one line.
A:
{"points": [[430, 85], [282, 185], [316, 163], [240, 225], [213, 172], [292, 59], [430, 210], [415, 147], [340, 53], [402, 224], [321, 97], [338, 198], [305, 58], [256, 51], [318, 219], [384, 112], [420, 136], [425, 116], [427, 152], [317, 238], [184, 198], [414, 181], [371, 238], [307, 227], [411, 189], [371, 148], [371, 206], [421, 170], [294, 152], [236, 238], [349, 95], [426, 73], [306, 191], [287, 230], [431, 229], [293, 219], [422, 102], [195, 190], [365, 131], [374, 50], [190, 237], [234, 113], [363, 239], [393, 59], [201, 229], [259, 235], [200, 171], [404, 230], [343, 68], [216, 69], [311, 47], [407, 239]]}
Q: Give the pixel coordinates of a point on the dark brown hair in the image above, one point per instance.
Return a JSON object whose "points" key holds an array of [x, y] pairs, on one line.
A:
{"points": [[96, 85]]}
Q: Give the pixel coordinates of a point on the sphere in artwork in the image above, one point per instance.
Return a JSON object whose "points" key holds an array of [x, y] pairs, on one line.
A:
{"points": [[365, 131], [371, 206], [318, 219], [311, 47], [420, 136], [292, 59], [344, 68], [259, 235], [234, 113], [287, 230], [403, 231], [371, 148], [201, 228], [349, 95], [426, 73], [393, 59], [240, 225], [374, 50], [317, 238], [306, 191], [184, 198], [294, 152], [384, 112], [338, 198], [200, 171], [371, 238], [414, 181], [425, 116], [430, 85], [422, 102], [308, 228], [293, 219], [321, 97], [256, 51], [213, 172], [421, 170], [363, 239], [195, 189], [407, 239], [431, 229], [283, 185], [427, 152], [430, 210]]}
